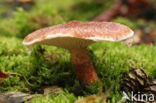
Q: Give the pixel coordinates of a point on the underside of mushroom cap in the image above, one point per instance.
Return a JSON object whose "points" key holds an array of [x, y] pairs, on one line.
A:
{"points": [[77, 34]]}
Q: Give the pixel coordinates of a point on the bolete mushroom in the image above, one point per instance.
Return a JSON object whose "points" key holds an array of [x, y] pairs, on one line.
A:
{"points": [[75, 37]]}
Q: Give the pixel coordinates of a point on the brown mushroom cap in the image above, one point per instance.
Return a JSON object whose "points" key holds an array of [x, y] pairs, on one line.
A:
{"points": [[77, 34]]}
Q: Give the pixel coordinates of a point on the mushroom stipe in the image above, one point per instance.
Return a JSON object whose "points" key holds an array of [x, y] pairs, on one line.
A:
{"points": [[75, 37], [82, 66]]}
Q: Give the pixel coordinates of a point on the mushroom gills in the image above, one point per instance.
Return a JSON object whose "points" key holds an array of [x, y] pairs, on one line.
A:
{"points": [[67, 42]]}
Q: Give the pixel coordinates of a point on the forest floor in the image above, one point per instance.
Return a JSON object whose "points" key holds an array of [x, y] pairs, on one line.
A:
{"points": [[49, 66]]}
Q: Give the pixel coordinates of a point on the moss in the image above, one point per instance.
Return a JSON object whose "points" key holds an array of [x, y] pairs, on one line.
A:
{"points": [[65, 97], [125, 21], [34, 71]]}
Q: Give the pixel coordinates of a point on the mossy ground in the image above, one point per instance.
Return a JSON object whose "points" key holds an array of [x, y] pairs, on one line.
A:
{"points": [[47, 65]]}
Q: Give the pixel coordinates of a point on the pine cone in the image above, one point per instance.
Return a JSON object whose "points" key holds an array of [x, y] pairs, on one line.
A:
{"points": [[138, 82]]}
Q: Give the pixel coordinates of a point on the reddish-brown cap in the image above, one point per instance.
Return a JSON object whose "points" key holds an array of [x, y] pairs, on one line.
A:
{"points": [[77, 34]]}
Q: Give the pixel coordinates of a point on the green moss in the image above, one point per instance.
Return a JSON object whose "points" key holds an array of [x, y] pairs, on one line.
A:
{"points": [[65, 97], [125, 21], [35, 70]]}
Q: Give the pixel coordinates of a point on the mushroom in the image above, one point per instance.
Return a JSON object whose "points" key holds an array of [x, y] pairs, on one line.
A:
{"points": [[75, 37]]}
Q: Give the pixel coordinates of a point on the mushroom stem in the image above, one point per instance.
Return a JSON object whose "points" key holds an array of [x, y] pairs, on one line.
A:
{"points": [[82, 66]]}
